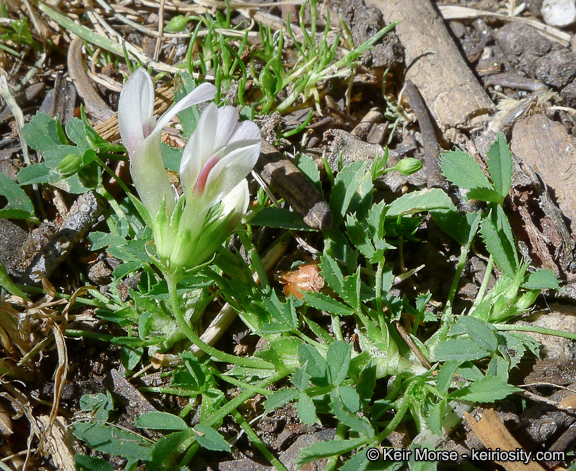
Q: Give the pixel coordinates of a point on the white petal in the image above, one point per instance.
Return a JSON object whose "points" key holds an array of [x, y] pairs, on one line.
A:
{"points": [[150, 177], [199, 149], [231, 169], [200, 94], [227, 125], [246, 131], [135, 108], [236, 202]]}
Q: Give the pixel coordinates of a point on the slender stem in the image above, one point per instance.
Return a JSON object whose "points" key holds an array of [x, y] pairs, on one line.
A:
{"points": [[172, 281], [219, 415], [332, 462], [378, 282], [255, 439], [484, 286], [457, 276], [405, 402], [535, 329]]}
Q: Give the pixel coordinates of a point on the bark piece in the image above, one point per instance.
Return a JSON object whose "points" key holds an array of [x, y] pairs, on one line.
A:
{"points": [[548, 149], [537, 56], [281, 174], [494, 434], [435, 65], [82, 216]]}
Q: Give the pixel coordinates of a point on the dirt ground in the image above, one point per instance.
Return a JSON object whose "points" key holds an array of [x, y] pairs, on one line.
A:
{"points": [[488, 67]]}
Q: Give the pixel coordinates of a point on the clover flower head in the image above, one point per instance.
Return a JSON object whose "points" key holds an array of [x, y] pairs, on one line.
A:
{"points": [[215, 162], [141, 135]]}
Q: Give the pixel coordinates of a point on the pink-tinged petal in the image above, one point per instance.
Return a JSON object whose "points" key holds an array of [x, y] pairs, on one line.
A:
{"points": [[199, 148], [150, 177], [231, 169], [200, 94], [246, 131], [201, 182], [135, 109], [227, 125]]}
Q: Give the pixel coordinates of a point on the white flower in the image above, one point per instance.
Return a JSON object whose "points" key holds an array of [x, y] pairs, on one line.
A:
{"points": [[215, 163], [141, 135]]}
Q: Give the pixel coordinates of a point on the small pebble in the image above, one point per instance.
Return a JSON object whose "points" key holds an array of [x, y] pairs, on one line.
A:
{"points": [[559, 13]]}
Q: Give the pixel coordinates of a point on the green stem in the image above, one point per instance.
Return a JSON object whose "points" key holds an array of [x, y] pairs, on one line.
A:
{"points": [[172, 281], [219, 415], [484, 286], [378, 282], [536, 330], [332, 462], [398, 417], [457, 276], [256, 441]]}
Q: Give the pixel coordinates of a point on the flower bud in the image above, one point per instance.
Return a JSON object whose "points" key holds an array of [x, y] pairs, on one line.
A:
{"points": [[408, 166], [69, 165]]}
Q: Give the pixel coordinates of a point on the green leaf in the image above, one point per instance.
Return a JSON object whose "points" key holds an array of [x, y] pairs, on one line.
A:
{"points": [[301, 379], [160, 421], [349, 418], [130, 357], [35, 173], [189, 117], [359, 462], [309, 168], [77, 134], [171, 156], [321, 450], [420, 201], [461, 228], [323, 302], [307, 410], [446, 376], [459, 350], [88, 463], [435, 418], [485, 194], [167, 445], [279, 398], [500, 165], [125, 269], [462, 170], [541, 279], [480, 331], [279, 218], [488, 389], [499, 367], [338, 359], [499, 241], [95, 141], [19, 205], [350, 398], [283, 314], [210, 439], [113, 441], [366, 382], [352, 191], [315, 365], [42, 132], [331, 273]]}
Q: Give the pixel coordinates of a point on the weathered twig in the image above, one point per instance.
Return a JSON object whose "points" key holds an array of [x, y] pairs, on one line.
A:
{"points": [[280, 173], [82, 216], [431, 148]]}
